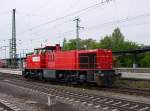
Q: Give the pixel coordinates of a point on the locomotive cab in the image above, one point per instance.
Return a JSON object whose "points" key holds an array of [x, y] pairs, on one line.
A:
{"points": [[35, 62]]}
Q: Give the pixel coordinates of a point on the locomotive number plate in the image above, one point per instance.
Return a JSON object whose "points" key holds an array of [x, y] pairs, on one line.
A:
{"points": [[36, 59]]}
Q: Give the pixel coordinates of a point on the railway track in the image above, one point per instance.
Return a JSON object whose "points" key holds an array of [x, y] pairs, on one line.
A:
{"points": [[6, 106], [126, 90], [96, 102], [131, 91], [10, 76]]}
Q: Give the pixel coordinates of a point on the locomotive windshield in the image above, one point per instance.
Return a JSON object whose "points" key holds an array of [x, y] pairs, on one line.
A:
{"points": [[46, 49], [41, 51], [36, 51]]}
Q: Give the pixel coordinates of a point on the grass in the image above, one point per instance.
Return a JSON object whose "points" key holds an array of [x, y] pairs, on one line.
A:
{"points": [[133, 83]]}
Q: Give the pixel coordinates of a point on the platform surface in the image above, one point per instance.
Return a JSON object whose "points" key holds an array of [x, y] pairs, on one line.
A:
{"points": [[11, 71], [136, 75], [124, 74]]}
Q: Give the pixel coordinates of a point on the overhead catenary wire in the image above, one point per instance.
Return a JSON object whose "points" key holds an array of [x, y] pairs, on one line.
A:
{"points": [[49, 27], [122, 20], [32, 15], [107, 24], [65, 16], [71, 14], [52, 27], [117, 21], [39, 39]]}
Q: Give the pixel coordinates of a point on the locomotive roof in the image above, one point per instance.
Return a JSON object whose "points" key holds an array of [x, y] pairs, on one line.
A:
{"points": [[47, 48], [90, 51]]}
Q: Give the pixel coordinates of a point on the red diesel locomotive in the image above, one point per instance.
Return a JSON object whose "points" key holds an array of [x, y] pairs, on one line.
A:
{"points": [[80, 66]]}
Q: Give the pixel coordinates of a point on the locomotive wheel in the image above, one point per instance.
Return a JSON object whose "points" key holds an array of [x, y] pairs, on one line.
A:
{"points": [[40, 74], [25, 74], [98, 80]]}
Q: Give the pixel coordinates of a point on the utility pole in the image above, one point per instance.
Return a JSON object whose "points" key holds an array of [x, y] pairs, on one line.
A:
{"points": [[5, 51], [77, 33], [13, 41], [77, 40], [10, 52]]}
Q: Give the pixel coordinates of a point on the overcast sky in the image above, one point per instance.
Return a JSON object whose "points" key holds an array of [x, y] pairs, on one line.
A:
{"points": [[131, 16]]}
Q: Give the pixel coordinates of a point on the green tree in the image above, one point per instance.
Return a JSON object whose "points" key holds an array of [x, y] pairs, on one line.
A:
{"points": [[88, 44], [71, 44], [106, 42], [145, 60], [83, 44], [116, 42]]}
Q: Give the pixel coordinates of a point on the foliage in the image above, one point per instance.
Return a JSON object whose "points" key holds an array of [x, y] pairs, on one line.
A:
{"points": [[116, 42], [145, 60], [83, 44]]}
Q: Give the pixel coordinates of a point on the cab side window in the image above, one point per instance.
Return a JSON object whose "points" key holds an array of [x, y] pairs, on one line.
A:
{"points": [[36, 51]]}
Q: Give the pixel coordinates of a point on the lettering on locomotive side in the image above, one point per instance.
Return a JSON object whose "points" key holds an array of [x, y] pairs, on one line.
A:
{"points": [[36, 59]]}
